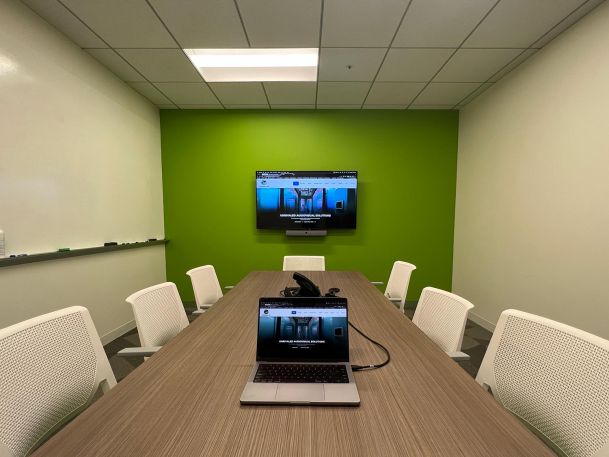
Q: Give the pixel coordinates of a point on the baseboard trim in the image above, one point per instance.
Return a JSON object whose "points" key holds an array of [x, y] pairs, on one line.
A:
{"points": [[482, 322], [119, 331]]}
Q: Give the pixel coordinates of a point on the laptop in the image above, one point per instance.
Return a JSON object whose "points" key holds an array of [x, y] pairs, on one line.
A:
{"points": [[302, 353]]}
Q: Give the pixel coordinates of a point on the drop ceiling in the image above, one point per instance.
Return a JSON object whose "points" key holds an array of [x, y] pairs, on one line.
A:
{"points": [[374, 54]]}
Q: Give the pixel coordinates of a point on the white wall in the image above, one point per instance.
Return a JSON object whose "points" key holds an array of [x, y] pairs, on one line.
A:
{"points": [[532, 212], [80, 164]]}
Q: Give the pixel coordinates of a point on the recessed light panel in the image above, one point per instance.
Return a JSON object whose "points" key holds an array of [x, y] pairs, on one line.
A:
{"points": [[240, 65]]}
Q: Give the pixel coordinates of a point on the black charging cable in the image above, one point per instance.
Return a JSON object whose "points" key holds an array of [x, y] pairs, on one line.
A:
{"points": [[294, 291], [370, 367]]}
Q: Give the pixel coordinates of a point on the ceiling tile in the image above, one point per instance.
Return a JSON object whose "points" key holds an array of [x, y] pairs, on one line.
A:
{"points": [[431, 107], [567, 22], [151, 93], [116, 64], [247, 106], [361, 23], [474, 94], [393, 93], [364, 63], [56, 14], [188, 93], [202, 23], [281, 23], [239, 93], [513, 64], [411, 65], [123, 24], [384, 106], [476, 65], [440, 23], [187, 106], [339, 107], [278, 107], [291, 93], [445, 93], [341, 93], [519, 23], [162, 65]]}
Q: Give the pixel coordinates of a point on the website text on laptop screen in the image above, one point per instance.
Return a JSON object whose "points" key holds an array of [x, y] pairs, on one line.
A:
{"points": [[301, 329]]}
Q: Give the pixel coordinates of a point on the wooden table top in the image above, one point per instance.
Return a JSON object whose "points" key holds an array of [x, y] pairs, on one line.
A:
{"points": [[184, 401]]}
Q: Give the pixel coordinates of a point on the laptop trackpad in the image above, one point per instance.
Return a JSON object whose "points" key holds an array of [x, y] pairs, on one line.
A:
{"points": [[300, 392]]}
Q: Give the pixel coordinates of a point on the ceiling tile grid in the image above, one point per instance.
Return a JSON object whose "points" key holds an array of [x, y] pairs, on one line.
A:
{"points": [[56, 14], [413, 64], [291, 93], [188, 93], [151, 93], [117, 64], [240, 93], [389, 54], [122, 24], [383, 93], [200, 24], [350, 64], [342, 93], [440, 23], [475, 65]]}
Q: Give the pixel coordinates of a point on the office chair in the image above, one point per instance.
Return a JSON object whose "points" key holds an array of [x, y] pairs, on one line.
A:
{"points": [[442, 316], [51, 367], [206, 287], [159, 316], [304, 263], [553, 377], [397, 285]]}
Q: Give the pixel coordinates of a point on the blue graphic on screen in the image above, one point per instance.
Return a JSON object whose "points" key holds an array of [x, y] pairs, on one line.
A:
{"points": [[316, 334], [268, 199], [317, 199]]}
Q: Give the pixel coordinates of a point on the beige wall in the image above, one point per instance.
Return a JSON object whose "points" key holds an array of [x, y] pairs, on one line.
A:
{"points": [[532, 211], [80, 165]]}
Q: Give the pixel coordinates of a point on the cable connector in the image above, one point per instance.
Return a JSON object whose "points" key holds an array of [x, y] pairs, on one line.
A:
{"points": [[370, 367]]}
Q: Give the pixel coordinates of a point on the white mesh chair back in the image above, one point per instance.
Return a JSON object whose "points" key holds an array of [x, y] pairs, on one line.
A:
{"points": [[205, 286], [554, 377], [442, 316], [304, 263], [159, 313], [51, 367], [399, 278]]}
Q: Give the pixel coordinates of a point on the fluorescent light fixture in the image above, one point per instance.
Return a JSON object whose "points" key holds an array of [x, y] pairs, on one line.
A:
{"points": [[239, 65]]}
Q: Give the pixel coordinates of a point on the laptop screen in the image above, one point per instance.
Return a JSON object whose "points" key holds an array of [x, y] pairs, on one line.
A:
{"points": [[303, 330]]}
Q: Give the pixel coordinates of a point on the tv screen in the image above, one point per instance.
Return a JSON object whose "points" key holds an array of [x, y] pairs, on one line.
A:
{"points": [[306, 200]]}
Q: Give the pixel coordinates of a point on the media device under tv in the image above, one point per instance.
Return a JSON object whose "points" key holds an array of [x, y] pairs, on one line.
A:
{"points": [[306, 202]]}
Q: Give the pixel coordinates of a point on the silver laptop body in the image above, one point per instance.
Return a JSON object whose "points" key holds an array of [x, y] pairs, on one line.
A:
{"points": [[302, 335]]}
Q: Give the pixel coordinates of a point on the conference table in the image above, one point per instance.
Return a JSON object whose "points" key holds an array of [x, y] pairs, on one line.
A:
{"points": [[184, 401]]}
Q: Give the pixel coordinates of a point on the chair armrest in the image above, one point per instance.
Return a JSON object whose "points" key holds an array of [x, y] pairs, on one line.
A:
{"points": [[397, 301], [228, 287], [458, 356], [138, 352], [198, 311], [377, 283]]}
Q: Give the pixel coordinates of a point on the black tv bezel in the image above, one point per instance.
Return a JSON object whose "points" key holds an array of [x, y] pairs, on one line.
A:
{"points": [[289, 227]]}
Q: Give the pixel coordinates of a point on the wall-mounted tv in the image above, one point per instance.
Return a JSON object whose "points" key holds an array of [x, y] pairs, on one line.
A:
{"points": [[306, 200]]}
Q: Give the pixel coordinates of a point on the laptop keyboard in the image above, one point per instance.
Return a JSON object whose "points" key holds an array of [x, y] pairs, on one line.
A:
{"points": [[278, 372]]}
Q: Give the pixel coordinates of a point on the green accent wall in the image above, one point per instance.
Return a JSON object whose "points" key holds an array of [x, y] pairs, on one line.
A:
{"points": [[407, 164]]}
